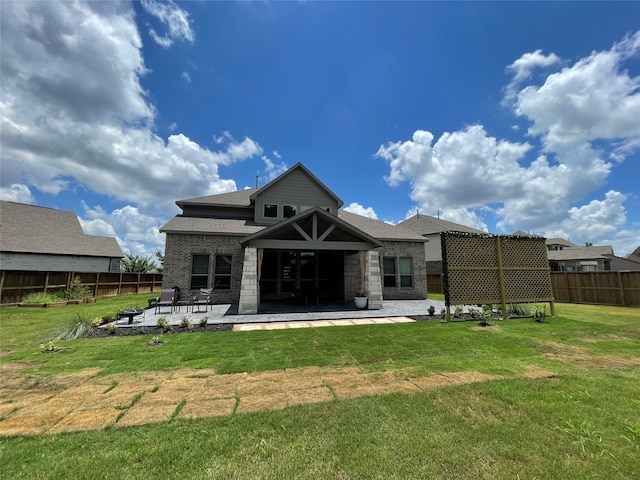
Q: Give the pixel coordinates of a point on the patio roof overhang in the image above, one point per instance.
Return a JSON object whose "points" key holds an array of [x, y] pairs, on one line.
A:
{"points": [[313, 229]]}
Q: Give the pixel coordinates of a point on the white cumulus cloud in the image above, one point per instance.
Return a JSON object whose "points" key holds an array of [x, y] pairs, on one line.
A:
{"points": [[361, 210], [174, 18]]}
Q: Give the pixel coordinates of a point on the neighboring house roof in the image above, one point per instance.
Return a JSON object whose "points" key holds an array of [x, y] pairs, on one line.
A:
{"points": [[581, 253], [296, 167], [621, 264], [634, 256], [562, 242], [239, 198], [33, 229], [378, 229], [427, 225]]}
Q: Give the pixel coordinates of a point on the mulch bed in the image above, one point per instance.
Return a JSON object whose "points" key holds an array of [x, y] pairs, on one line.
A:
{"points": [[154, 331]]}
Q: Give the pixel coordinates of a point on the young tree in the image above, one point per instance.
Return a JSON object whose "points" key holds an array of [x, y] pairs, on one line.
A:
{"points": [[136, 264], [160, 258]]}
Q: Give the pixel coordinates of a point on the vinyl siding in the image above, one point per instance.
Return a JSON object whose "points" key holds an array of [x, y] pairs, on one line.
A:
{"points": [[298, 190]]}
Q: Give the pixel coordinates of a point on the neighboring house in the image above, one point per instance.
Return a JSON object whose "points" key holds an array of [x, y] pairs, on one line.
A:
{"points": [[430, 228], [48, 240], [565, 256], [287, 240], [634, 256]]}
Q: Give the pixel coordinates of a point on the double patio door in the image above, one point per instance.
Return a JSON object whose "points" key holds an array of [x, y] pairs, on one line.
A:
{"points": [[289, 273]]}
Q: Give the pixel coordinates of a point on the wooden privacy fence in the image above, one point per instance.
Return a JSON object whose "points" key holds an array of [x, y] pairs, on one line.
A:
{"points": [[604, 287], [598, 288], [15, 285]]}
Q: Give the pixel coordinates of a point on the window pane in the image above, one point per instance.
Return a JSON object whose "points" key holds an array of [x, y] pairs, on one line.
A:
{"points": [[389, 266], [200, 265], [199, 282], [222, 282], [222, 274], [223, 264], [405, 266], [389, 280], [270, 210], [406, 281], [288, 211]]}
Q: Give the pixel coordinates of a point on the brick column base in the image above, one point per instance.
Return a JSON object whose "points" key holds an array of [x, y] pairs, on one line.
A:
{"points": [[372, 281], [249, 284]]}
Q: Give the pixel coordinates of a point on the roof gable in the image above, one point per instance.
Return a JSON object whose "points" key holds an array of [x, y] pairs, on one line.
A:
{"points": [[314, 229], [298, 167]]}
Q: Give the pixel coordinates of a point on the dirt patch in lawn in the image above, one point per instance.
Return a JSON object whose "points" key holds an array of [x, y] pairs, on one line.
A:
{"points": [[85, 401]]}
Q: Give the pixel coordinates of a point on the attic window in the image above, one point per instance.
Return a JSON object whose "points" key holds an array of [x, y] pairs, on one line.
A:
{"points": [[270, 210], [288, 211]]}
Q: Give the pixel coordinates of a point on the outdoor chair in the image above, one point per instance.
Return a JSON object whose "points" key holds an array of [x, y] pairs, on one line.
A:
{"points": [[204, 298], [167, 299]]}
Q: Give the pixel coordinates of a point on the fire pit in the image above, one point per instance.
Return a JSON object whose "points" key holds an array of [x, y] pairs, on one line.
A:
{"points": [[130, 313]]}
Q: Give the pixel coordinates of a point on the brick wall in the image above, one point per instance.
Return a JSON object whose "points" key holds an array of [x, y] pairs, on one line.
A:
{"points": [[416, 252], [177, 262]]}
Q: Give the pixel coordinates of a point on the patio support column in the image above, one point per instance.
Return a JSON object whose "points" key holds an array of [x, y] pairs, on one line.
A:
{"points": [[372, 280], [249, 283]]}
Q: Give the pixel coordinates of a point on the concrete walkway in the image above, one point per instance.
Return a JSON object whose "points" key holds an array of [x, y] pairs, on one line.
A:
{"points": [[228, 313]]}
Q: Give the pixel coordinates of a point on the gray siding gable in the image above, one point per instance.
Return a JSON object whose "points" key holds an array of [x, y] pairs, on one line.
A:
{"points": [[298, 188]]}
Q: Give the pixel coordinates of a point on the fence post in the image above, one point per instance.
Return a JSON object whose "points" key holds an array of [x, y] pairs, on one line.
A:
{"points": [[621, 286], [501, 278]]}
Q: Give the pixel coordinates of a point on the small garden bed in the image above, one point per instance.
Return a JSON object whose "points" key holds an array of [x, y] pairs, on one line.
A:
{"points": [[154, 331]]}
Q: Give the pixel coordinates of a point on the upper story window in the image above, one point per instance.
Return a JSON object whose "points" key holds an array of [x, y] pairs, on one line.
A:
{"points": [[270, 210], [289, 211]]}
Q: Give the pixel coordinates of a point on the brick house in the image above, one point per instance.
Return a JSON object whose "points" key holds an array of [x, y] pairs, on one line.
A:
{"points": [[289, 241]]}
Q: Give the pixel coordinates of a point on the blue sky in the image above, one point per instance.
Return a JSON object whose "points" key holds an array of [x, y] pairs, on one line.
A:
{"points": [[503, 116]]}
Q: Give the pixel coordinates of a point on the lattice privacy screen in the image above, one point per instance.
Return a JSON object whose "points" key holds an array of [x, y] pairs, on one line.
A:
{"points": [[481, 269]]}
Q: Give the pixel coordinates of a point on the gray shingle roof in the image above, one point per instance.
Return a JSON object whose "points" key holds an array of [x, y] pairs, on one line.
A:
{"points": [[561, 241], [427, 225], [239, 198], [581, 253], [226, 226], [221, 226], [33, 229], [379, 230]]}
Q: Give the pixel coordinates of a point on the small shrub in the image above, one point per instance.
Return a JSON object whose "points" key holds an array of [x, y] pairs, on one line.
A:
{"points": [[96, 322], [443, 311], [431, 310], [80, 326], [485, 317], [49, 347], [111, 328], [185, 323], [77, 290], [156, 340], [42, 298], [519, 310], [203, 321], [458, 311], [540, 314], [164, 324], [474, 312]]}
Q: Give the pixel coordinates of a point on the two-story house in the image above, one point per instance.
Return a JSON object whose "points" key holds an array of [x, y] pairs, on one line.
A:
{"points": [[289, 240]]}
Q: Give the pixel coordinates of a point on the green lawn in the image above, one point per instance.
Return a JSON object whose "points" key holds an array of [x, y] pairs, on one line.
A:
{"points": [[582, 423]]}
